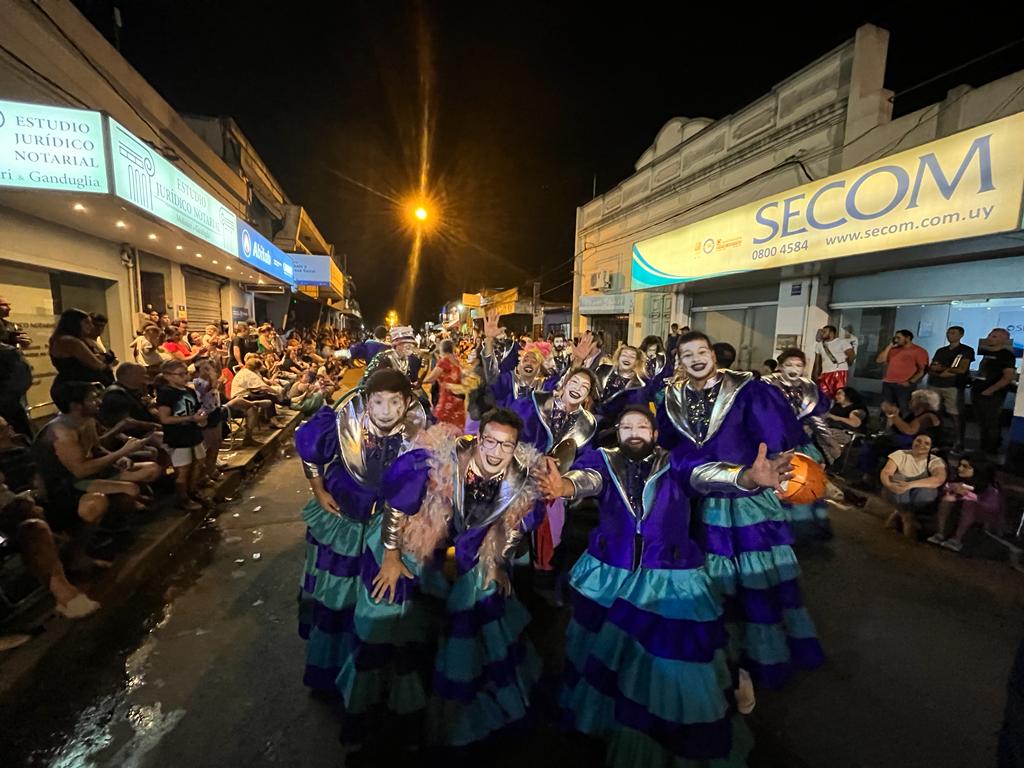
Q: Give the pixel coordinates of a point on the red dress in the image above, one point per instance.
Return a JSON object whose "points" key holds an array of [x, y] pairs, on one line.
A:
{"points": [[450, 409]]}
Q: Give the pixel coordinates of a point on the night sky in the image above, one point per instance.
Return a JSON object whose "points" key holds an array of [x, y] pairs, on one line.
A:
{"points": [[529, 102]]}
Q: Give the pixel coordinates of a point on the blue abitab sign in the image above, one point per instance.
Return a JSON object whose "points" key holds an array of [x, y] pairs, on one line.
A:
{"points": [[254, 249]]}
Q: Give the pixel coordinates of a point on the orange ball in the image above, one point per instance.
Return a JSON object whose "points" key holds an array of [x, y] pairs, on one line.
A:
{"points": [[807, 484]]}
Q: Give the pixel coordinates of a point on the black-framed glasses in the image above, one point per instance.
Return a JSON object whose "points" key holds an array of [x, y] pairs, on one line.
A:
{"points": [[507, 447]]}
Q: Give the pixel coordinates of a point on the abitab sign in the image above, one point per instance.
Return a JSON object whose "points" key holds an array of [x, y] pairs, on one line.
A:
{"points": [[965, 185], [257, 251], [53, 148]]}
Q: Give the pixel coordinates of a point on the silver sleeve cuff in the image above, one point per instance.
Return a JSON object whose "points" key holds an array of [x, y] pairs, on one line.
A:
{"points": [[716, 476], [391, 527], [512, 539], [585, 482], [311, 470], [490, 366]]}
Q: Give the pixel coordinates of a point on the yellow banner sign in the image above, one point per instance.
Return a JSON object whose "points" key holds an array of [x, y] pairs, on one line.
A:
{"points": [[471, 300], [965, 185]]}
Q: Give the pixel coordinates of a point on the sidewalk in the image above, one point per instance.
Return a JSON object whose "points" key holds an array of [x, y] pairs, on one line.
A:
{"points": [[154, 542]]}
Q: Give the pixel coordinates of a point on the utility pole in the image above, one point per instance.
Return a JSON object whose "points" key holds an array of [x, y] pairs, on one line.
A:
{"points": [[538, 314]]}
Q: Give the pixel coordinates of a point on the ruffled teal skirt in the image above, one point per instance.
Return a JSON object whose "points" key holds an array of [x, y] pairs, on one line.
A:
{"points": [[327, 594], [647, 670], [750, 559], [383, 682], [485, 668]]}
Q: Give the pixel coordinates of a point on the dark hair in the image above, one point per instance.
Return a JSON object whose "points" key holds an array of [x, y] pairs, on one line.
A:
{"points": [[984, 472], [856, 398], [675, 326], [770, 364], [689, 336], [648, 340], [792, 352], [725, 354], [447, 347], [68, 393], [380, 333], [98, 318], [504, 417], [388, 380], [638, 408], [831, 328], [594, 385], [962, 332], [905, 332], [70, 323]]}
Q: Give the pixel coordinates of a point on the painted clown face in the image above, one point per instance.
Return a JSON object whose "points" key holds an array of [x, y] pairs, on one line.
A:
{"points": [[386, 409], [697, 360], [627, 361], [792, 369], [576, 390], [496, 447]]}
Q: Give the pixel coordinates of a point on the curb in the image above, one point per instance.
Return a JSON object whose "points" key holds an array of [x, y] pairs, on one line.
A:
{"points": [[155, 543]]}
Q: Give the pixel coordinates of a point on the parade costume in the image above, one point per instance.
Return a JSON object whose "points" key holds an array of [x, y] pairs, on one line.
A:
{"points": [[809, 405], [485, 666], [507, 385], [713, 433], [616, 391], [342, 447], [654, 365], [646, 660], [554, 430]]}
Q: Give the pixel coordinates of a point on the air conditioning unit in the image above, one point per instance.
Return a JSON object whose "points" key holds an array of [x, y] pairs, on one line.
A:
{"points": [[600, 281]]}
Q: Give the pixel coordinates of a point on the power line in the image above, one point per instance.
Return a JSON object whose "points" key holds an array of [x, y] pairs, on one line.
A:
{"points": [[39, 74]]}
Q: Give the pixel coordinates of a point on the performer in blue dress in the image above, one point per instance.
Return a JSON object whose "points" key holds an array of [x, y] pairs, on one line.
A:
{"points": [[713, 421], [345, 454], [479, 496], [810, 405], [646, 662]]}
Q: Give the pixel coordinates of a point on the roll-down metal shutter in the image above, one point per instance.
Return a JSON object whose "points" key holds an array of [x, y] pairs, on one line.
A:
{"points": [[202, 300]]}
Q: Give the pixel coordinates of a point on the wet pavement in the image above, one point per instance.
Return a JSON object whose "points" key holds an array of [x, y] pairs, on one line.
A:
{"points": [[205, 667]]}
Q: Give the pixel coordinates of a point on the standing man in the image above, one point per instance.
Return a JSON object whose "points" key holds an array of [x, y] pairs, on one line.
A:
{"points": [[905, 366], [672, 341], [996, 372], [370, 348], [832, 360], [15, 373], [947, 375]]}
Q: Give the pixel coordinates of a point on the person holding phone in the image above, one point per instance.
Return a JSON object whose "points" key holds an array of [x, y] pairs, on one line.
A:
{"points": [[905, 365]]}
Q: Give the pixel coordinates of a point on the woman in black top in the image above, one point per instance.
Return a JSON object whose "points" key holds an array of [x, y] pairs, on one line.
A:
{"points": [[183, 418], [72, 354]]}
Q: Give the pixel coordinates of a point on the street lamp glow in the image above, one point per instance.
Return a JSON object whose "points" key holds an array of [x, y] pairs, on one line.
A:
{"points": [[461, 308], [420, 213]]}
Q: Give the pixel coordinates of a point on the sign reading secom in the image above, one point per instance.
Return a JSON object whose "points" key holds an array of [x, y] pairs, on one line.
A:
{"points": [[965, 185]]}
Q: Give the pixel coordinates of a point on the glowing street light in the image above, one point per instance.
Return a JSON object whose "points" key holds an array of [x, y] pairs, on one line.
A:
{"points": [[420, 213]]}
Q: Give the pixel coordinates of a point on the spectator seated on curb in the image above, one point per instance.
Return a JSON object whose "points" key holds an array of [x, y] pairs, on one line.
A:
{"points": [[924, 418], [975, 493], [73, 464], [126, 404], [912, 476], [848, 416], [306, 395], [23, 522]]}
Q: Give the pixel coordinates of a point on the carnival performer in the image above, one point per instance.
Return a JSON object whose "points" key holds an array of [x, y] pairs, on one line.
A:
{"points": [[562, 355], [655, 358], [450, 407], [810, 405], [713, 421], [559, 424], [480, 496], [530, 373], [401, 356], [620, 382], [345, 452], [646, 661]]}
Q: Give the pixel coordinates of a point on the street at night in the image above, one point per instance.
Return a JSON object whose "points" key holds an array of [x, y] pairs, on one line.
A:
{"points": [[444, 384]]}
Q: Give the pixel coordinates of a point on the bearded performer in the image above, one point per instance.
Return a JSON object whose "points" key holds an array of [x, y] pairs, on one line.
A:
{"points": [[478, 495], [532, 371], [561, 356], [713, 421], [810, 405], [646, 661], [346, 452]]}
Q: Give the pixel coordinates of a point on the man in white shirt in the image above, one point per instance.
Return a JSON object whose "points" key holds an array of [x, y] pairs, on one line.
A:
{"points": [[249, 384], [832, 359]]}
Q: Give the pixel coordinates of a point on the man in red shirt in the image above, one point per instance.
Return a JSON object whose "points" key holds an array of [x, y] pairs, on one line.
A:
{"points": [[905, 365]]}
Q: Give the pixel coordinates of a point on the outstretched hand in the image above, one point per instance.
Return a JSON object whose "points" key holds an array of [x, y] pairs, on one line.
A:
{"points": [[766, 472], [491, 328], [585, 348], [385, 583], [550, 481]]}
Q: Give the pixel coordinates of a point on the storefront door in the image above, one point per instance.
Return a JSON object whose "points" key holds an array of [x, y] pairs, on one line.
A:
{"points": [[615, 330], [202, 300], [750, 330]]}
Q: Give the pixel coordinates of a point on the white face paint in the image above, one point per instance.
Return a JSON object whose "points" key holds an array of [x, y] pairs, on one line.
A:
{"points": [[697, 360], [627, 360], [496, 447], [405, 348], [386, 409], [576, 390], [792, 369], [652, 350], [635, 433]]}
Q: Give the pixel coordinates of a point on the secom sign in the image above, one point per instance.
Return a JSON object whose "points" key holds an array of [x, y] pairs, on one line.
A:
{"points": [[965, 185]]}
